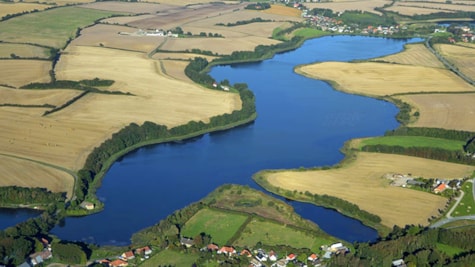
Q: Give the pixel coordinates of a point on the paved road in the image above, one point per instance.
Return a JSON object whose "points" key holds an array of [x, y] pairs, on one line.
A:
{"points": [[449, 217]]}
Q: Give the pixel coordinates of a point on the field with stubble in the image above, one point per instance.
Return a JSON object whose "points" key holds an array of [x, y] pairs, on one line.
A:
{"points": [[460, 56], [15, 8], [361, 182], [381, 79], [413, 54], [448, 111], [343, 5], [21, 72]]}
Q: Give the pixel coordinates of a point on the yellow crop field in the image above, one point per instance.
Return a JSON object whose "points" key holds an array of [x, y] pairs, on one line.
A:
{"points": [[21, 72], [128, 7], [439, 7], [361, 182], [448, 111], [36, 97], [340, 6], [410, 10], [414, 54], [24, 173], [460, 56], [22, 50], [381, 79], [16, 8], [283, 11], [175, 69]]}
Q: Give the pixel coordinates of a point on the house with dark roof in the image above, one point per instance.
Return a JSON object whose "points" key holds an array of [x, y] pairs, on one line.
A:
{"points": [[187, 242]]}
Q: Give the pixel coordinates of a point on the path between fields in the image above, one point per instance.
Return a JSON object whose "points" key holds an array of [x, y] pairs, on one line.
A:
{"points": [[449, 217]]}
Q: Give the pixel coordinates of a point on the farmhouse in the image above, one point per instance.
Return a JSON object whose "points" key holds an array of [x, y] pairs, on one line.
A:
{"points": [[440, 188], [227, 250], [118, 263], [129, 255], [187, 242]]}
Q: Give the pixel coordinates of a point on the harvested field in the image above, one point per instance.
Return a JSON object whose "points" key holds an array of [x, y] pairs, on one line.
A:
{"points": [[405, 9], [55, 97], [21, 72], [129, 7], [340, 6], [439, 7], [177, 17], [23, 51], [462, 57], [448, 111], [16, 8], [51, 27], [361, 182], [283, 11], [185, 57], [19, 172], [108, 36], [175, 69], [381, 79], [413, 54], [222, 46]]}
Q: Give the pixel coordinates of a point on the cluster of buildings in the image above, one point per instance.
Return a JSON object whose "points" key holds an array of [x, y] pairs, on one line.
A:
{"points": [[462, 33], [123, 260], [38, 258], [261, 257]]}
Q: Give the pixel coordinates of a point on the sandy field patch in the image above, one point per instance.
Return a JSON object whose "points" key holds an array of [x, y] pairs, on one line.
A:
{"points": [[381, 79], [340, 6], [361, 183], [55, 97], [413, 54], [180, 56], [462, 57], [23, 51], [448, 111], [108, 36], [24, 173], [21, 72], [16, 8]]}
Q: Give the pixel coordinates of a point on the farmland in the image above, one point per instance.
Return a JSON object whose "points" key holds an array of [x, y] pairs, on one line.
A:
{"points": [[365, 78], [23, 51], [460, 56], [413, 54], [220, 226], [10, 8], [360, 182], [414, 141]]}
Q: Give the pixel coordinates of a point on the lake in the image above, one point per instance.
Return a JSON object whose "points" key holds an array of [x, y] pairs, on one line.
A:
{"points": [[301, 123]]}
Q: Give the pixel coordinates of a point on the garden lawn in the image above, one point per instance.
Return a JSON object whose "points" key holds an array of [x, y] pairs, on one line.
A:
{"points": [[271, 233], [414, 141], [220, 225], [467, 204]]}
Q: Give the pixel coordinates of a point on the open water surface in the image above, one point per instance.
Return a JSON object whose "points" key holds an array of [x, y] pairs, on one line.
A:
{"points": [[301, 123]]}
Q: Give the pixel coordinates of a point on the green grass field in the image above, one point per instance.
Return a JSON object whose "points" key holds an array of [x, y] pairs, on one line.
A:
{"points": [[271, 233], [51, 27], [449, 250], [170, 258], [414, 141], [220, 225], [309, 33], [467, 204]]}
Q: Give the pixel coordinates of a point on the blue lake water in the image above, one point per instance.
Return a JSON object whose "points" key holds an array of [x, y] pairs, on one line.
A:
{"points": [[301, 123], [10, 217]]}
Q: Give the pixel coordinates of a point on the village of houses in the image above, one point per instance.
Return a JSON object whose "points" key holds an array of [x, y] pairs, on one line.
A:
{"points": [[257, 258]]}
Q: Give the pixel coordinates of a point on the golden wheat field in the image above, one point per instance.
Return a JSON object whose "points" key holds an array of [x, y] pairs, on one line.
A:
{"points": [[55, 97], [381, 79], [439, 7], [15, 8], [448, 111], [26, 173], [23, 51], [340, 6], [283, 11], [175, 69], [361, 182], [460, 56], [410, 10], [129, 7], [21, 72], [413, 54]]}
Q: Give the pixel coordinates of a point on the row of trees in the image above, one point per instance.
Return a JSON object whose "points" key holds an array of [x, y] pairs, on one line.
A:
{"points": [[417, 246], [244, 22], [21, 195]]}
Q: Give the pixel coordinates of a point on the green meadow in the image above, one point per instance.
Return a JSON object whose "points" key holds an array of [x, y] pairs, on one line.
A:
{"points": [[220, 225], [52, 28], [414, 141]]}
